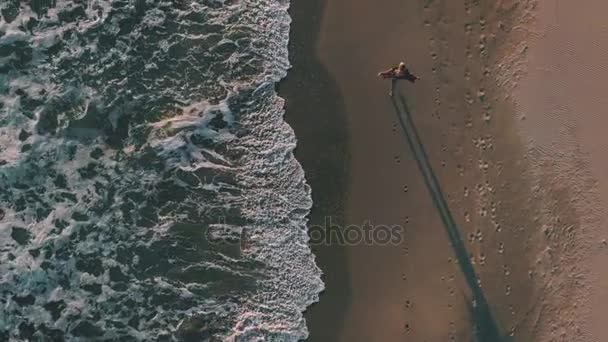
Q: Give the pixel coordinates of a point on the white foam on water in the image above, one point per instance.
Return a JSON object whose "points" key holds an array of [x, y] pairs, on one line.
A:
{"points": [[104, 221]]}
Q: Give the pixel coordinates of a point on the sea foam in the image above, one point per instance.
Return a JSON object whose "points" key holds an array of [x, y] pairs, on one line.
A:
{"points": [[147, 182]]}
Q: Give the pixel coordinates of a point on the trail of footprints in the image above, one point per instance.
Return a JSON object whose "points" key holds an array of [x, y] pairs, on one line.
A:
{"points": [[481, 218]]}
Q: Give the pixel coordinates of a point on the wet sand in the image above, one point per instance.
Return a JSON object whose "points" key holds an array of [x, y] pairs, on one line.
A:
{"points": [[397, 291], [520, 230], [315, 109], [417, 290]]}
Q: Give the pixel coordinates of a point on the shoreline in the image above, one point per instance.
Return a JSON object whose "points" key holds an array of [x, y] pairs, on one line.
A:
{"points": [[315, 111]]}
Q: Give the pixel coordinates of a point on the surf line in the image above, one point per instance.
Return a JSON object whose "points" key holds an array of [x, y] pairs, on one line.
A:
{"points": [[485, 325]]}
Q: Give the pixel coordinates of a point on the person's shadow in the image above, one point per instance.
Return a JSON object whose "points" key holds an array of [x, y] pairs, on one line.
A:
{"points": [[485, 326]]}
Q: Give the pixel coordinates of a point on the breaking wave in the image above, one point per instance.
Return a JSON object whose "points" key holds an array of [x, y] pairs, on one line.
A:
{"points": [[148, 188]]}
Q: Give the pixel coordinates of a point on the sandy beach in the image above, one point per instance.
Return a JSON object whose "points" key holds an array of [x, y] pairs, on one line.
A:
{"points": [[562, 109], [517, 169]]}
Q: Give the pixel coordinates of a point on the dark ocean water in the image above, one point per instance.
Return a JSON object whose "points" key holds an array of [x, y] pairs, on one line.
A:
{"points": [[148, 189]]}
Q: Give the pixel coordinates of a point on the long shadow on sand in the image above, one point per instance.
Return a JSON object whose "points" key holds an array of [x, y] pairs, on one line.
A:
{"points": [[316, 112], [486, 329]]}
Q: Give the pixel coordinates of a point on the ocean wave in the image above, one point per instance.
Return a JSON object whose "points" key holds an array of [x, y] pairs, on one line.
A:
{"points": [[148, 188]]}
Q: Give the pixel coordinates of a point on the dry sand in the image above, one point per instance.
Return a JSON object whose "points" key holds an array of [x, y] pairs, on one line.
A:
{"points": [[521, 191], [563, 110]]}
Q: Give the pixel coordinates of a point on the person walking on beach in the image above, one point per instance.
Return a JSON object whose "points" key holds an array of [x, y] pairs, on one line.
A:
{"points": [[399, 72]]}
